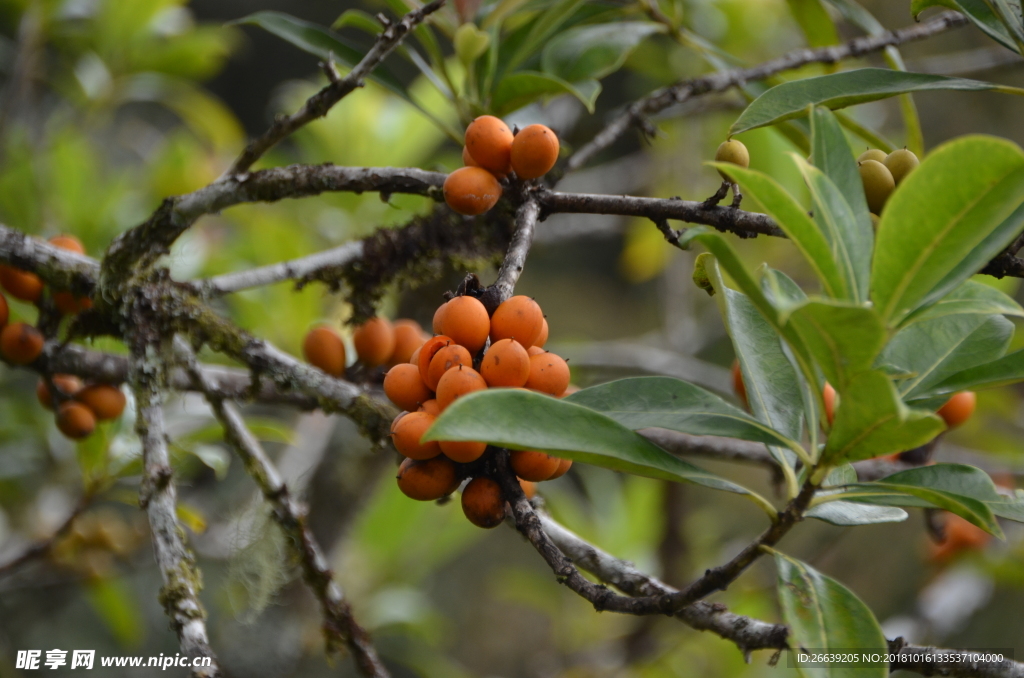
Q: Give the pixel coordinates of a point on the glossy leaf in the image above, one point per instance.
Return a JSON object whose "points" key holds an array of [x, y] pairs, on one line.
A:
{"points": [[664, 402], [839, 90], [531, 421], [547, 24], [832, 155], [523, 88], [971, 297], [846, 513], [824, 615], [843, 338], [1006, 370], [978, 11], [594, 51], [961, 194], [814, 21]]}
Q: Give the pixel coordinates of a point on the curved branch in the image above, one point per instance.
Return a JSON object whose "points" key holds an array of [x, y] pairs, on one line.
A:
{"points": [[515, 258]]}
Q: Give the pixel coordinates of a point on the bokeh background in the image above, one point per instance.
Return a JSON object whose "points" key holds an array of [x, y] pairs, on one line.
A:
{"points": [[129, 101]]}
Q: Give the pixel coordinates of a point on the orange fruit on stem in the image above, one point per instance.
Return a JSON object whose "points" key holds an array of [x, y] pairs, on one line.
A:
{"points": [[548, 374], [67, 384], [408, 337], [563, 466], [408, 432], [489, 142], [21, 343], [106, 401], [428, 351], [404, 386], [21, 284], [518, 318], [427, 480], [506, 363], [467, 159], [463, 451], [465, 320], [958, 408], [534, 151], [438, 315], [535, 350], [75, 420], [471, 191], [529, 489], [456, 383], [483, 503], [444, 360], [324, 349], [542, 338], [430, 407], [374, 341], [533, 465]]}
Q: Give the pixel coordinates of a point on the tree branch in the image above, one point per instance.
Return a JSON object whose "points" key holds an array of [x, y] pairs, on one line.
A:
{"points": [[515, 258], [296, 269], [723, 80]]}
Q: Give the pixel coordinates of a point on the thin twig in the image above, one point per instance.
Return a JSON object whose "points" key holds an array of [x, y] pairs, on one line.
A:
{"points": [[296, 269], [515, 258]]}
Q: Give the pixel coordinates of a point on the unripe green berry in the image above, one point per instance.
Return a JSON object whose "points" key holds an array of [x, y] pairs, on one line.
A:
{"points": [[878, 183], [872, 154], [900, 163], [732, 151]]}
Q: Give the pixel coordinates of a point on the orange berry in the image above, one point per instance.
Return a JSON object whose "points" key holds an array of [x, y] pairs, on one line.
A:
{"points": [[394, 422], [959, 408], [467, 159], [518, 318], [457, 383], [534, 151], [428, 351], [68, 242], [563, 466], [542, 338], [529, 489], [535, 350], [67, 384], [5, 311], [106, 401], [489, 142], [427, 480], [324, 349], [75, 420], [408, 432], [408, 337], [533, 465], [404, 386], [374, 341], [738, 387], [506, 363], [21, 343], [463, 451], [548, 374], [483, 503], [569, 390], [21, 284], [430, 407], [828, 394], [444, 360], [471, 191], [414, 359], [465, 320], [438, 315]]}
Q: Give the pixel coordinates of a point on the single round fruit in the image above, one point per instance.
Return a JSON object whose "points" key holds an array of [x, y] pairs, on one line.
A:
{"points": [[324, 349], [958, 409], [408, 432], [878, 183], [529, 489], [21, 284], [467, 159], [828, 395], [374, 341], [427, 480], [438, 315], [5, 311], [483, 503], [872, 154], [548, 374], [900, 163], [75, 420], [738, 387], [456, 383], [463, 451], [444, 360], [489, 141], [465, 320], [427, 352], [532, 465], [534, 151], [414, 359], [404, 386], [518, 318], [21, 343], [563, 467], [408, 337], [542, 338], [506, 363], [106, 401], [67, 384], [471, 191], [430, 407], [734, 152], [69, 243]]}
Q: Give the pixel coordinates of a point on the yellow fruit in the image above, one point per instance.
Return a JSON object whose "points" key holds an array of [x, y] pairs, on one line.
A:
{"points": [[872, 154], [878, 184], [732, 151], [900, 163]]}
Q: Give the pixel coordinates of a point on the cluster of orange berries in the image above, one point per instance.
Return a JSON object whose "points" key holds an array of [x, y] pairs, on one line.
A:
{"points": [[491, 152], [378, 342], [78, 406], [442, 370]]}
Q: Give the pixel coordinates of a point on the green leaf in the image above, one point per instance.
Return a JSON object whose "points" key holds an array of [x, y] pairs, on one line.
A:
{"points": [[839, 90], [1007, 370], [594, 51], [832, 155], [824, 615], [531, 421], [971, 297], [953, 202], [543, 27], [871, 420], [933, 350], [92, 454], [523, 88], [793, 220], [664, 402], [846, 513], [814, 21], [978, 11], [843, 338], [850, 236], [357, 18]]}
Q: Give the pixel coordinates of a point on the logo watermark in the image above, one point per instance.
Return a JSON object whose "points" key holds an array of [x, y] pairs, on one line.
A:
{"points": [[33, 660]]}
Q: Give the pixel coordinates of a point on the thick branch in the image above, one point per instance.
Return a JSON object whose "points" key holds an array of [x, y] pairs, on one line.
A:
{"points": [[290, 514], [723, 80], [515, 258], [320, 103]]}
